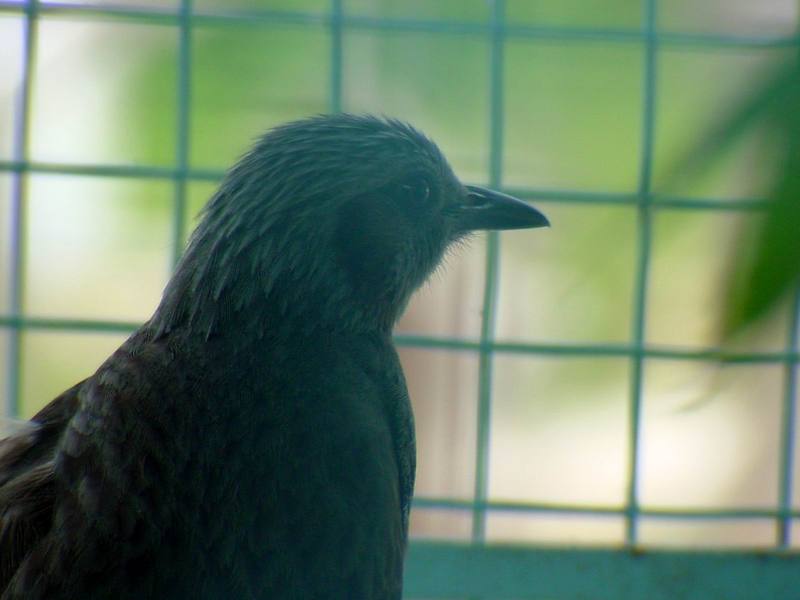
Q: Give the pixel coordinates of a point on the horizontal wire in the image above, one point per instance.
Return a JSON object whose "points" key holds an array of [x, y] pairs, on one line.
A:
{"points": [[527, 193], [249, 18], [106, 170], [604, 510], [448, 343]]}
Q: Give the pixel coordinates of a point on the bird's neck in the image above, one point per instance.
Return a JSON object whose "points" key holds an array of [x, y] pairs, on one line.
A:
{"points": [[291, 289]]}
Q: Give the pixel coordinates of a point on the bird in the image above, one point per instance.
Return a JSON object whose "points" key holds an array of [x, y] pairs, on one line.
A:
{"points": [[254, 439]]}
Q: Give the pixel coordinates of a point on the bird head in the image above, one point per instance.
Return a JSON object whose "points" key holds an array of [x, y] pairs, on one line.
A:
{"points": [[335, 219]]}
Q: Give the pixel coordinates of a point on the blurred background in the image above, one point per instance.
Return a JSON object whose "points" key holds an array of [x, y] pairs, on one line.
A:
{"points": [[628, 376]]}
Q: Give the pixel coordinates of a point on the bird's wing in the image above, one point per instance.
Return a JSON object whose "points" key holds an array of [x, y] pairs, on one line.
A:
{"points": [[27, 481], [84, 505]]}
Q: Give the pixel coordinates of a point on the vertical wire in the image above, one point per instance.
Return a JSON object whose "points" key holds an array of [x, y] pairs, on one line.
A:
{"points": [[790, 392], [788, 433], [337, 13], [182, 142], [488, 314], [642, 270], [18, 195]]}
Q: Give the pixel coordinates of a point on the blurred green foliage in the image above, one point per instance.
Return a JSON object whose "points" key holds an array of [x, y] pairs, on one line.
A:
{"points": [[764, 264]]}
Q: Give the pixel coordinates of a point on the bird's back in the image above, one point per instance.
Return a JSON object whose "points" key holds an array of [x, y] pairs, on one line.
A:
{"points": [[168, 474], [89, 496], [73, 486]]}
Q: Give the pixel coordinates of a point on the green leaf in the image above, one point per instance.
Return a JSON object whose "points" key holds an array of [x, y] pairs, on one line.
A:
{"points": [[764, 263]]}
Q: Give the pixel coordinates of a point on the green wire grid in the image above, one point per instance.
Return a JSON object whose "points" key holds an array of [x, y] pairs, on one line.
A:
{"points": [[475, 568]]}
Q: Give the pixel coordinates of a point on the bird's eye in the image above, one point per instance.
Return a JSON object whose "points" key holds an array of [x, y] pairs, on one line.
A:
{"points": [[417, 192]]}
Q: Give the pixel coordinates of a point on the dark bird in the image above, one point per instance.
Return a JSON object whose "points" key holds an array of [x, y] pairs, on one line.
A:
{"points": [[254, 439]]}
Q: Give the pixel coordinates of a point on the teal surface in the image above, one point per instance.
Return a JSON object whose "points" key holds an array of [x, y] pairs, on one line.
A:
{"points": [[435, 570]]}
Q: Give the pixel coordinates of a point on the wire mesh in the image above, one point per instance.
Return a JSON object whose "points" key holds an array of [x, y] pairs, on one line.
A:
{"points": [[337, 21]]}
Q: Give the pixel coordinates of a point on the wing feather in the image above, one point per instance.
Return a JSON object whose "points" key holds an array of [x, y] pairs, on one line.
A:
{"points": [[27, 482]]}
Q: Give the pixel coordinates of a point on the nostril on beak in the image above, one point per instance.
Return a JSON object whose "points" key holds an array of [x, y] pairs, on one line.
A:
{"points": [[477, 200]]}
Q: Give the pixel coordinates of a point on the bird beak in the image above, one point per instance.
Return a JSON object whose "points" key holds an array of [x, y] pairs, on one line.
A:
{"points": [[487, 209]]}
